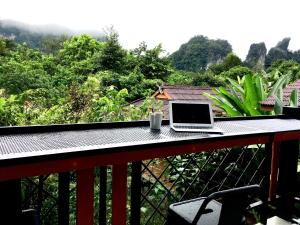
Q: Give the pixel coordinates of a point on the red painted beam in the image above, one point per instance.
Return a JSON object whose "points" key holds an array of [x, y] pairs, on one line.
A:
{"points": [[119, 194], [285, 136], [85, 197]]}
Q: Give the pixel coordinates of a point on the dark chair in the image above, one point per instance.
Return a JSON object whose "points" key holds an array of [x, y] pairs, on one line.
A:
{"points": [[209, 211], [29, 217]]}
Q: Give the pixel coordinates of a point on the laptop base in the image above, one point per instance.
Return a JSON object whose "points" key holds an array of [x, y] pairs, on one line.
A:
{"points": [[214, 130]]}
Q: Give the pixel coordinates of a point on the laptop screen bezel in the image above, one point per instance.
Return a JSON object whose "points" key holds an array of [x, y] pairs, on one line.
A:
{"points": [[210, 125]]}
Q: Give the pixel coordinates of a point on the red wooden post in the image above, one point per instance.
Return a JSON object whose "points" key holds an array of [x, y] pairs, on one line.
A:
{"points": [[274, 170], [119, 194], [85, 197]]}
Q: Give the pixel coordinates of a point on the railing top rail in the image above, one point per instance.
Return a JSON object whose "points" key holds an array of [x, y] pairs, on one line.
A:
{"points": [[4, 130], [107, 139]]}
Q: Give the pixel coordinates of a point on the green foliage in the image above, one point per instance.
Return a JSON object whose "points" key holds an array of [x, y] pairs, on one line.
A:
{"points": [[243, 99], [10, 111], [52, 44], [199, 52], [230, 61], [203, 78], [208, 79], [6, 45], [136, 84], [294, 98], [181, 78], [280, 67], [113, 56], [78, 55], [237, 71], [113, 107], [151, 63], [23, 70]]}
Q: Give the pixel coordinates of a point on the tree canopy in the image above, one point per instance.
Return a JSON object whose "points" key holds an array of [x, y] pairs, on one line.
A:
{"points": [[199, 52]]}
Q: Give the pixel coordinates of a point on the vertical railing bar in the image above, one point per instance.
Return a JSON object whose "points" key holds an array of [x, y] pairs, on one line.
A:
{"points": [[102, 195], [119, 193], [136, 188], [27, 199], [63, 198], [40, 194], [265, 184], [274, 170]]}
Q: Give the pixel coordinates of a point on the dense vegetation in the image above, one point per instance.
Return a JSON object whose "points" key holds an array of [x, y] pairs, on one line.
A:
{"points": [[81, 79], [86, 80]]}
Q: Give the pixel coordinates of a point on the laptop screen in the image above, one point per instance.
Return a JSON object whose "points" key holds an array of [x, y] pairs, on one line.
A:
{"points": [[191, 113]]}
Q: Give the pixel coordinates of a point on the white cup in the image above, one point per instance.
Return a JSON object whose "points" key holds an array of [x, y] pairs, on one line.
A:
{"points": [[155, 120]]}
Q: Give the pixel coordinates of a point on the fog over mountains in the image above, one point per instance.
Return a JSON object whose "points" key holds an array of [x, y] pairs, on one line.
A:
{"points": [[48, 29]]}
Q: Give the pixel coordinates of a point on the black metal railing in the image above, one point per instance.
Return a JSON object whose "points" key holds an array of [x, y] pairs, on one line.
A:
{"points": [[153, 185], [188, 176]]}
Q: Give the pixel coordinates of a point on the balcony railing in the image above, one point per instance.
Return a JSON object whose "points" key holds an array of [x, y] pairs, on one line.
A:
{"points": [[157, 174], [163, 181]]}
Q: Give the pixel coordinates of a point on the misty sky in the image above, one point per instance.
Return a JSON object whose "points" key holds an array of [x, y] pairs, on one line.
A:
{"points": [[170, 22]]}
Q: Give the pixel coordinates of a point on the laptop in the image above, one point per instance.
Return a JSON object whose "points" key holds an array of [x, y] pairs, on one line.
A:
{"points": [[192, 116]]}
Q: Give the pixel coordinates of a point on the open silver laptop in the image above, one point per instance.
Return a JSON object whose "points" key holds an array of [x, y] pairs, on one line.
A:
{"points": [[192, 116]]}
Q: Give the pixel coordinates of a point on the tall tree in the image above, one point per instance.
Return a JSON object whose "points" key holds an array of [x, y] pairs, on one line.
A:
{"points": [[151, 62], [112, 56], [230, 61]]}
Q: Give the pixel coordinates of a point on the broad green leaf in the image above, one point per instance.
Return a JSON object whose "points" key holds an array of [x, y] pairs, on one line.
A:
{"points": [[294, 98], [278, 85], [252, 111], [278, 105], [237, 87], [234, 101], [261, 94], [250, 92], [229, 110]]}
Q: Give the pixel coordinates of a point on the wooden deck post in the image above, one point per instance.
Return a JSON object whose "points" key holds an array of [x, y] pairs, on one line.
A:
{"points": [[85, 197], [119, 194]]}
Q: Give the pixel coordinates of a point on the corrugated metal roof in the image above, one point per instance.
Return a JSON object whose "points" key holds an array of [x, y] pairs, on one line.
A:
{"points": [[286, 95]]}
